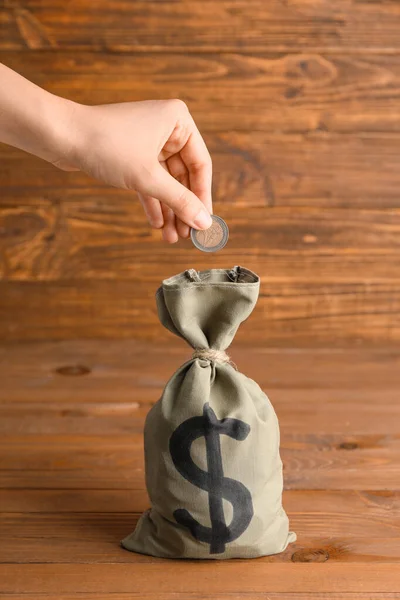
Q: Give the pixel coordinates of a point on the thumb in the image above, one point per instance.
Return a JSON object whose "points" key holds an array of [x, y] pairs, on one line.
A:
{"points": [[182, 201]]}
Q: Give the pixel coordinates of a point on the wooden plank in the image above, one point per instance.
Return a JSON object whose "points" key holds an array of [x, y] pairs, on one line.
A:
{"points": [[229, 26], [287, 92], [218, 596], [108, 238], [332, 414], [94, 549], [232, 577], [51, 538], [252, 168], [315, 313], [324, 522], [310, 461], [86, 239], [305, 506], [100, 223], [85, 371], [62, 501], [102, 238], [321, 442]]}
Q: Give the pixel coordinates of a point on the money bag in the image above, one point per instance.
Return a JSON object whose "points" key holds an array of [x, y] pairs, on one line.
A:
{"points": [[213, 469]]}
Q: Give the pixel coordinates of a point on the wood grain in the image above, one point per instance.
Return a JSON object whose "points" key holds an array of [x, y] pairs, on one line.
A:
{"points": [[251, 169], [298, 103], [60, 258], [228, 577], [332, 267], [93, 539], [327, 461], [327, 511], [310, 314], [293, 92], [341, 417], [220, 596], [119, 366], [98, 238], [229, 26], [72, 478]]}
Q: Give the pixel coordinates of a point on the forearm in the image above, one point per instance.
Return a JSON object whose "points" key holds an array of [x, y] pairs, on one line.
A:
{"points": [[31, 118]]}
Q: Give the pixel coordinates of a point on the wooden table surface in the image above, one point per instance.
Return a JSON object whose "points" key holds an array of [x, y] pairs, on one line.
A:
{"points": [[72, 479]]}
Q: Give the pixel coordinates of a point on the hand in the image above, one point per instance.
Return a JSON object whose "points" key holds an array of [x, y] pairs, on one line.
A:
{"points": [[153, 147]]}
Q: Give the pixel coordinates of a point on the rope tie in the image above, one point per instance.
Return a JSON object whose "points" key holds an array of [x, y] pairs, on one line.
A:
{"points": [[213, 356]]}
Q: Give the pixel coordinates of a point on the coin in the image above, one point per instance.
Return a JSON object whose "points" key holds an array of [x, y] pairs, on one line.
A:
{"points": [[212, 239]]}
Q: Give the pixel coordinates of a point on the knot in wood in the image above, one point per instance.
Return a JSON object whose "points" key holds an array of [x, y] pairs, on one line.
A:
{"points": [[310, 555], [73, 370]]}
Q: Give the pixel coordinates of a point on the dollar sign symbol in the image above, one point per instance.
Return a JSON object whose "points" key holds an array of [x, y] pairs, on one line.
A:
{"points": [[212, 480]]}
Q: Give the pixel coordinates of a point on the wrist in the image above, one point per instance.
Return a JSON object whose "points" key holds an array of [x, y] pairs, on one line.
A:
{"points": [[33, 119], [62, 130]]}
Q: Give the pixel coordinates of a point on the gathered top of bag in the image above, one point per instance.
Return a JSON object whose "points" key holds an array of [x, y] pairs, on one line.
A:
{"points": [[236, 275], [205, 308]]}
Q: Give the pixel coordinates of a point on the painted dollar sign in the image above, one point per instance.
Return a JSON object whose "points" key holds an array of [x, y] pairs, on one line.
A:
{"points": [[212, 480]]}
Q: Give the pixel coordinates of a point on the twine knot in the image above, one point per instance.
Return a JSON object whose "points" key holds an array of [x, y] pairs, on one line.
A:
{"points": [[213, 356]]}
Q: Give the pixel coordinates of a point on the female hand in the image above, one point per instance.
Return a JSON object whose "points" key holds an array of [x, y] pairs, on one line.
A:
{"points": [[153, 147]]}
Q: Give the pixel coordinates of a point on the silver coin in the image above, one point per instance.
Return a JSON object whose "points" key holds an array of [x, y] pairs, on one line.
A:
{"points": [[212, 239]]}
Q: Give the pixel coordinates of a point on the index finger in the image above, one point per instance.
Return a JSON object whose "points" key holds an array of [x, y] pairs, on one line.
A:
{"points": [[197, 159]]}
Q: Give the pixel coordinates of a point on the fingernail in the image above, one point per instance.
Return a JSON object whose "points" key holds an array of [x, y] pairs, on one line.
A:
{"points": [[202, 220]]}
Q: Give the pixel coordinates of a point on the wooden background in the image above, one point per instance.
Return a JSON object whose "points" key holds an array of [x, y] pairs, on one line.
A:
{"points": [[299, 102]]}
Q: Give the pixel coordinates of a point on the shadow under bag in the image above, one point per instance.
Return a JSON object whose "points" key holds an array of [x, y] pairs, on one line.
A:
{"points": [[213, 470]]}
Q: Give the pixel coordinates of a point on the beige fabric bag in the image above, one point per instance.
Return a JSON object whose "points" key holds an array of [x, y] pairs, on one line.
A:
{"points": [[213, 470]]}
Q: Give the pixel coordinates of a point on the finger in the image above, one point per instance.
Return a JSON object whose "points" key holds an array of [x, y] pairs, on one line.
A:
{"points": [[182, 201], [169, 232], [152, 208], [178, 170], [182, 229], [198, 162]]}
